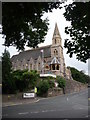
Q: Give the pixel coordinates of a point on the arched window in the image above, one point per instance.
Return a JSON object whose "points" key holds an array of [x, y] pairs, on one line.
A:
{"points": [[38, 66], [57, 67], [30, 66], [55, 52], [26, 66], [55, 41], [53, 67]]}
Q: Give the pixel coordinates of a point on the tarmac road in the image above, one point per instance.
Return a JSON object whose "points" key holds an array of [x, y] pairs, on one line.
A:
{"points": [[66, 106]]}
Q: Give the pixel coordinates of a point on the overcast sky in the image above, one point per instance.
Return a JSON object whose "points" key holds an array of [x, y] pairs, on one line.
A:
{"points": [[55, 16]]}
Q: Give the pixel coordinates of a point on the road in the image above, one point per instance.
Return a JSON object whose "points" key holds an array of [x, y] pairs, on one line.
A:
{"points": [[66, 106]]}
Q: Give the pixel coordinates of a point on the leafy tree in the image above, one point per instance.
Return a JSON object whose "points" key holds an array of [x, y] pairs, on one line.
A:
{"points": [[31, 78], [78, 13], [8, 85], [21, 84], [22, 23], [25, 80], [79, 75]]}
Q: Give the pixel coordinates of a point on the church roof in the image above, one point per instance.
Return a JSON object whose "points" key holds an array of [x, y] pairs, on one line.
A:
{"points": [[33, 53], [55, 61]]}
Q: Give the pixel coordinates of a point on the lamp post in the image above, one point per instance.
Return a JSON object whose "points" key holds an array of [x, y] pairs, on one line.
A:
{"points": [[42, 52]]}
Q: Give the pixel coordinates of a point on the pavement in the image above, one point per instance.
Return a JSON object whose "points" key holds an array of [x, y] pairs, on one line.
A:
{"points": [[19, 102]]}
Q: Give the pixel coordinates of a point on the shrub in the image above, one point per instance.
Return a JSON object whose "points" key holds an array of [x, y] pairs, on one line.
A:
{"points": [[51, 83], [61, 81], [43, 87]]}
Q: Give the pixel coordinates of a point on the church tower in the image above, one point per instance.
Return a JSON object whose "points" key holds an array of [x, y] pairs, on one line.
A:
{"points": [[57, 50]]}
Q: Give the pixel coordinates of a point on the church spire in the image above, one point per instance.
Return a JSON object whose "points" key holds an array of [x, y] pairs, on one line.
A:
{"points": [[56, 36], [56, 31]]}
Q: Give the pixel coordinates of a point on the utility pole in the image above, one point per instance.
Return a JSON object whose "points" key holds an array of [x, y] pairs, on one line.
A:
{"points": [[42, 54]]}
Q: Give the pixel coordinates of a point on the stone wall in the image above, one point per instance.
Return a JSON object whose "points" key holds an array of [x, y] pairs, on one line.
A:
{"points": [[71, 86], [74, 86], [55, 92]]}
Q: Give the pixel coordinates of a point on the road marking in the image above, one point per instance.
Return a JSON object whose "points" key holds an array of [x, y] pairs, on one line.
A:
{"points": [[35, 112], [86, 116], [81, 108], [52, 110], [44, 111], [23, 113], [67, 98]]}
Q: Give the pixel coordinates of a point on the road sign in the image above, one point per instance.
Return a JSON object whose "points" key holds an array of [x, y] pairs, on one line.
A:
{"points": [[28, 95]]}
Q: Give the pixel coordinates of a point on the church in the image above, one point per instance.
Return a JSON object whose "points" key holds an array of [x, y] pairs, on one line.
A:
{"points": [[46, 60]]}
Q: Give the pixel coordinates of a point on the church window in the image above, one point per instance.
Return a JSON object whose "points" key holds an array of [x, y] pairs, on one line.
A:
{"points": [[57, 67], [55, 41], [23, 67], [30, 66], [55, 52], [53, 67], [26, 66], [38, 66]]}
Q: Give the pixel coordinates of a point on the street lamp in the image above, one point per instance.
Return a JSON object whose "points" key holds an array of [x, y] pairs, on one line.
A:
{"points": [[42, 52]]}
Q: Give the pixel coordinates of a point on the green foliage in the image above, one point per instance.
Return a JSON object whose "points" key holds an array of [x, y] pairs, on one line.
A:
{"points": [[78, 13], [21, 84], [61, 82], [31, 77], [8, 85], [6, 65], [23, 23], [24, 79], [79, 76], [43, 87], [51, 83]]}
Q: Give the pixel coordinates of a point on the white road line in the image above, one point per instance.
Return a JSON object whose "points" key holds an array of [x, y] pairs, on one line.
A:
{"points": [[35, 112], [44, 111], [23, 113], [86, 116], [67, 98], [52, 110]]}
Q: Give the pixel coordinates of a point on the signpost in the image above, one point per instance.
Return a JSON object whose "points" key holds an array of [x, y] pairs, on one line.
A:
{"points": [[28, 95]]}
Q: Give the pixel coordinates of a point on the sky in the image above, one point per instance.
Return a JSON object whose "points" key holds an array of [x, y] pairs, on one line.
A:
{"points": [[54, 17]]}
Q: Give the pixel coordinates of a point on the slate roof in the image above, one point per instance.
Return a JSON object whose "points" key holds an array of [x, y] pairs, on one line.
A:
{"points": [[55, 61], [33, 53]]}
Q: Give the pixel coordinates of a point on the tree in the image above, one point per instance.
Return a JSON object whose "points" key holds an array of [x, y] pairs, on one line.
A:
{"points": [[8, 85], [78, 14], [79, 75], [6, 65], [22, 23]]}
